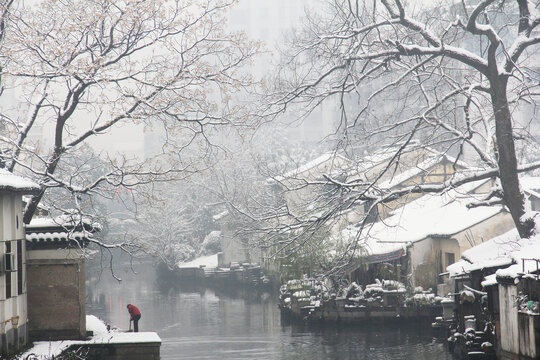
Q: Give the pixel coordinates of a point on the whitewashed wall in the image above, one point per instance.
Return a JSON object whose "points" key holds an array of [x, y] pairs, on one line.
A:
{"points": [[11, 229], [509, 318], [235, 249]]}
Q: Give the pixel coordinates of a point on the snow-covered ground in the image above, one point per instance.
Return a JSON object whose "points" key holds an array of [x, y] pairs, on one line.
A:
{"points": [[48, 349], [207, 261]]}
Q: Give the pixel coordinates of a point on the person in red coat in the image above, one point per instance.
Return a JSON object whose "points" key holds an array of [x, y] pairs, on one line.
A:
{"points": [[135, 316]]}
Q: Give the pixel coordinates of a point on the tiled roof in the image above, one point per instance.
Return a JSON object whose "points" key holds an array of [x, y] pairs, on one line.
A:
{"points": [[12, 182]]}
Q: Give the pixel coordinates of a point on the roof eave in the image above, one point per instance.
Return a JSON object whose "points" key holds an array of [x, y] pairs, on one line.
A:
{"points": [[17, 190]]}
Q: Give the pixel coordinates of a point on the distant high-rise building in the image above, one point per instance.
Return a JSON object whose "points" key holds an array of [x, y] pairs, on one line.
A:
{"points": [[270, 22]]}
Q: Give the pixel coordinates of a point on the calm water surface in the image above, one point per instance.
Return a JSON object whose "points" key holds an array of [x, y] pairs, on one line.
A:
{"points": [[212, 324]]}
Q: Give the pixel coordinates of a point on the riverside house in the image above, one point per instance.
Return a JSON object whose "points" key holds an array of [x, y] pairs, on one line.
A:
{"points": [[56, 276], [305, 191], [13, 276], [505, 269], [416, 242]]}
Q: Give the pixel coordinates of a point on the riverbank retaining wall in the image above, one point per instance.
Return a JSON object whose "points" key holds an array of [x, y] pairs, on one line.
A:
{"points": [[131, 351]]}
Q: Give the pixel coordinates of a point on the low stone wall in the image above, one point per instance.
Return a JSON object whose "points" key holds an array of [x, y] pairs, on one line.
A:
{"points": [[353, 314], [120, 351], [245, 276], [190, 274], [56, 298]]}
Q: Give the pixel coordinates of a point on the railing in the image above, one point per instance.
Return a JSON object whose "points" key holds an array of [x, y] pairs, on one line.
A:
{"points": [[537, 261]]}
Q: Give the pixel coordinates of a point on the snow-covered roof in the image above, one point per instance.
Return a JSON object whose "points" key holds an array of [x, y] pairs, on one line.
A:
{"points": [[430, 215], [507, 249], [58, 240], [531, 185], [370, 245], [421, 168], [421, 160], [492, 253], [419, 151], [336, 160], [208, 261], [16, 183], [529, 250], [385, 153], [443, 214], [57, 236], [221, 215], [66, 221], [503, 250], [59, 232]]}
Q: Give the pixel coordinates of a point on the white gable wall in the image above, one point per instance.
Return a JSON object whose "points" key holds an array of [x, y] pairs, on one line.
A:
{"points": [[428, 255], [12, 230], [237, 248], [484, 231]]}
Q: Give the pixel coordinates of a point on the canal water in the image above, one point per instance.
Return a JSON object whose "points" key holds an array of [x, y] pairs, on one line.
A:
{"points": [[233, 324]]}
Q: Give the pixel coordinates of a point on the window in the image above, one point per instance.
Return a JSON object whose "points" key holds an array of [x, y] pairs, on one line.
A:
{"points": [[20, 286], [8, 265], [450, 258], [371, 213]]}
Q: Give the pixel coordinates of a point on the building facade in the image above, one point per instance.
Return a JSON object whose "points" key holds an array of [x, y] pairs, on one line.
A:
{"points": [[56, 277], [13, 276]]}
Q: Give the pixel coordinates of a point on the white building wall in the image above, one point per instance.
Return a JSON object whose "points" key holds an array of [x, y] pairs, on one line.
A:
{"points": [[420, 254], [15, 307], [236, 249], [509, 318]]}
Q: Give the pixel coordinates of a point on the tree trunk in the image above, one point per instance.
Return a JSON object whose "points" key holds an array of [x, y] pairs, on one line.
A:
{"points": [[32, 205], [507, 161]]}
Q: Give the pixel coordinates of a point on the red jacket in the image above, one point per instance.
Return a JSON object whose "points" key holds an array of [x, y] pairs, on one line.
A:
{"points": [[133, 310]]}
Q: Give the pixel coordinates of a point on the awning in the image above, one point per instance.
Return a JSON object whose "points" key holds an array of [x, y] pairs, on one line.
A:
{"points": [[374, 259], [379, 258]]}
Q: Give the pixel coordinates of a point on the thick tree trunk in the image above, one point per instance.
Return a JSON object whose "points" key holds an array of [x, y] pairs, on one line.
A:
{"points": [[63, 116], [507, 161], [32, 205]]}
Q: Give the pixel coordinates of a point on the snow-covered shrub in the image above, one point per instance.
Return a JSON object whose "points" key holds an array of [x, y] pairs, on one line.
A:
{"points": [[373, 290], [353, 291], [466, 296]]}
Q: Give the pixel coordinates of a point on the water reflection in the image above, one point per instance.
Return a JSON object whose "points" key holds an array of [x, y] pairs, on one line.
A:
{"points": [[232, 324]]}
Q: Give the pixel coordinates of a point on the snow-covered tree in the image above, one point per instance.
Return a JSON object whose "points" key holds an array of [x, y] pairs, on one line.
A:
{"points": [[79, 69], [174, 222], [451, 75]]}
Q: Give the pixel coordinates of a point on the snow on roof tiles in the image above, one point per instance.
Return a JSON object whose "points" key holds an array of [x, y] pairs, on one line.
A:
{"points": [[207, 261], [503, 250], [12, 182], [529, 250], [531, 185], [428, 216], [65, 221], [335, 158], [432, 215], [370, 246], [420, 168], [57, 236]]}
